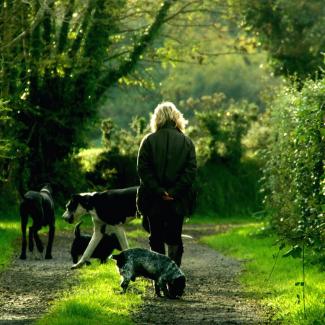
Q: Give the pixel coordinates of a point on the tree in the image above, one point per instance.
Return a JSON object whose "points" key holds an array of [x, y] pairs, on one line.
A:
{"points": [[292, 31], [58, 60]]}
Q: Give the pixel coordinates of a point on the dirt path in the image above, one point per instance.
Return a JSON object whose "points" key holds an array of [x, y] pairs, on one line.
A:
{"points": [[212, 296], [28, 287]]}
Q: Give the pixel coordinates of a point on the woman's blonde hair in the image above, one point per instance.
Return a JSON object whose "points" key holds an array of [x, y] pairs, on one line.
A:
{"points": [[165, 112]]}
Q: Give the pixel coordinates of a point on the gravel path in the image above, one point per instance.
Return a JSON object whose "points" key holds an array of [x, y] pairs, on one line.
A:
{"points": [[212, 296], [28, 287]]}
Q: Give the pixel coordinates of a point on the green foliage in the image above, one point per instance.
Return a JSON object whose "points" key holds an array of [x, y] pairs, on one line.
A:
{"points": [[219, 126], [115, 165], [12, 148], [217, 129], [280, 25], [294, 170], [257, 137], [69, 178], [57, 62], [282, 291], [228, 191], [222, 176], [206, 54], [241, 77]]}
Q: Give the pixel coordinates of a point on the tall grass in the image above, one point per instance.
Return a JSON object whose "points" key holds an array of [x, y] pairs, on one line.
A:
{"points": [[276, 290]]}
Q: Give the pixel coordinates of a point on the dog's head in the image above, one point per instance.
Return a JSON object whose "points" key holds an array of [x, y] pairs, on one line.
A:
{"points": [[176, 287], [78, 206]]}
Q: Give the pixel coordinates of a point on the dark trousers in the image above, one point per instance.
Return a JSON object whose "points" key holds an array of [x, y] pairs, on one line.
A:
{"points": [[165, 227]]}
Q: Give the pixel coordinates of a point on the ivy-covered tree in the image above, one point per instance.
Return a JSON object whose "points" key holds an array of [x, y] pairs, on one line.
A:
{"points": [[58, 58]]}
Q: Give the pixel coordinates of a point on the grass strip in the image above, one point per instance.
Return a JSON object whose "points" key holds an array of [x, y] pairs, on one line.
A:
{"points": [[278, 291], [9, 244], [96, 300]]}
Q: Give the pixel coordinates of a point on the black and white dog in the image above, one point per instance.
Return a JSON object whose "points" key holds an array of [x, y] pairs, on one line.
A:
{"points": [[103, 250], [40, 207], [112, 207], [167, 276]]}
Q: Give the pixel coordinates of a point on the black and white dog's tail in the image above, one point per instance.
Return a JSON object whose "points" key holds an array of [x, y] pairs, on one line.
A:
{"points": [[77, 230]]}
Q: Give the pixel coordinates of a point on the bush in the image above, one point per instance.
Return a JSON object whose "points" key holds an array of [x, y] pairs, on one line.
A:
{"points": [[219, 127], [115, 165], [294, 171], [225, 191]]}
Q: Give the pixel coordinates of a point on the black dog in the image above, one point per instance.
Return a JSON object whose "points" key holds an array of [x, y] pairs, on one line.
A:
{"points": [[103, 250], [40, 207], [167, 276], [112, 208]]}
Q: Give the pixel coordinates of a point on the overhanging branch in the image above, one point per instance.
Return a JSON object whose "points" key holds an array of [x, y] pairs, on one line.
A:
{"points": [[128, 65]]}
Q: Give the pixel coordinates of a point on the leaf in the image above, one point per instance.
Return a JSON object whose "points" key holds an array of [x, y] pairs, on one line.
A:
{"points": [[294, 252], [322, 132], [301, 284]]}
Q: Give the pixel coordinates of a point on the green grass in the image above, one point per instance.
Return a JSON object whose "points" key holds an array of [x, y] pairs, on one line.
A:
{"points": [[217, 220], [278, 291], [9, 244], [229, 191], [97, 299]]}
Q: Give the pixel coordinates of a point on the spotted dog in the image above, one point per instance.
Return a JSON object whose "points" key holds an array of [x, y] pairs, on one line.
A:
{"points": [[103, 250], [112, 208], [167, 276], [40, 207]]}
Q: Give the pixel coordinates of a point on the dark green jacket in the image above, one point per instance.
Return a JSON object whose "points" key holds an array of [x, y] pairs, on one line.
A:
{"points": [[166, 163]]}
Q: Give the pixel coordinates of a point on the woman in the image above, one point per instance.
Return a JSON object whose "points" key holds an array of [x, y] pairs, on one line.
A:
{"points": [[166, 167]]}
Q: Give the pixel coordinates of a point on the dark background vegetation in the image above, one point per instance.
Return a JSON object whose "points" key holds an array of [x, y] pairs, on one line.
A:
{"points": [[79, 79]]}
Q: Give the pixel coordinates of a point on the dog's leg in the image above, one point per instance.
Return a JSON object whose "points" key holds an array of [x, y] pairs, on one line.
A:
{"points": [[38, 241], [120, 234], [157, 289], [95, 239], [126, 278], [37, 213], [48, 254], [125, 284], [31, 239], [162, 284], [24, 220]]}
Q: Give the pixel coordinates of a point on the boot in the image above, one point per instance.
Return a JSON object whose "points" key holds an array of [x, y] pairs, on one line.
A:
{"points": [[175, 253]]}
